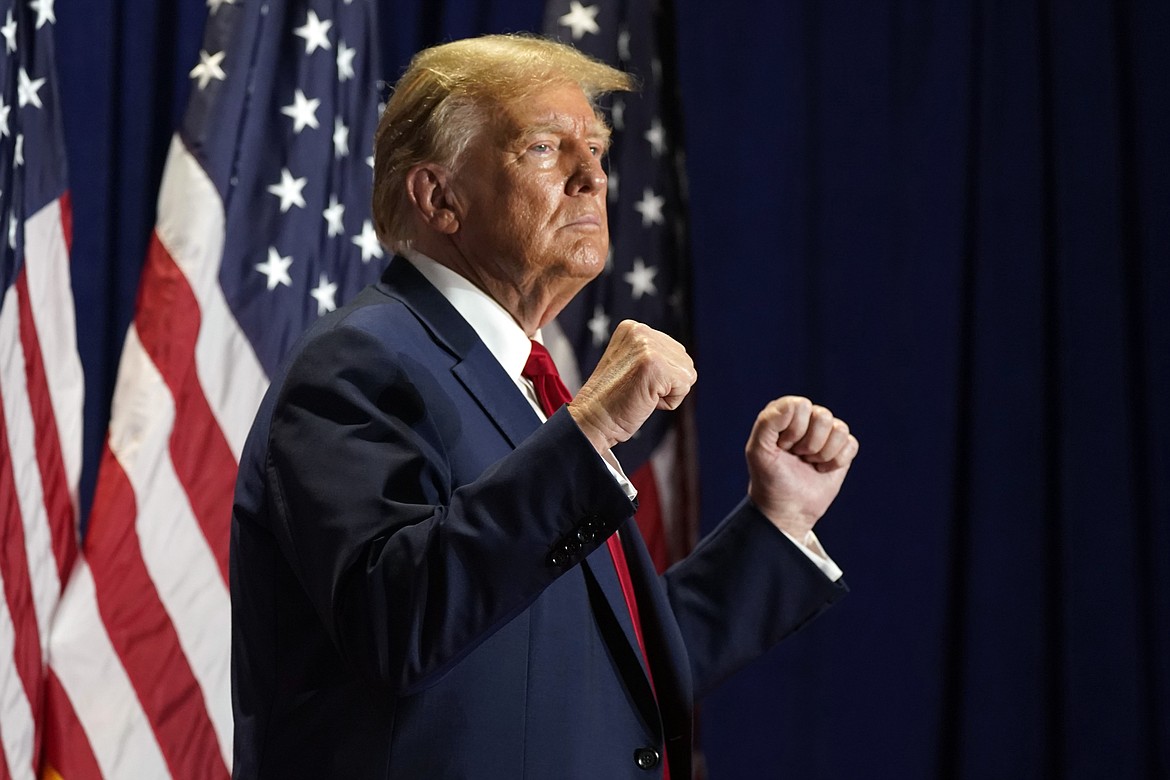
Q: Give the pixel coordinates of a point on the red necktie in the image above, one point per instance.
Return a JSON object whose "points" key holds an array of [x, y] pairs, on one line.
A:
{"points": [[552, 394]]}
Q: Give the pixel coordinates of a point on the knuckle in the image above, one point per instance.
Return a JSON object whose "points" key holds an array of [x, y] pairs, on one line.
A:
{"points": [[625, 329]]}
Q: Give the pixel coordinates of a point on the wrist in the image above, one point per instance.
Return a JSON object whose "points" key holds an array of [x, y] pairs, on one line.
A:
{"points": [[788, 516], [588, 424]]}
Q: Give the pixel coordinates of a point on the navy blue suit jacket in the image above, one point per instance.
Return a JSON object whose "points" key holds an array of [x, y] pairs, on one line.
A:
{"points": [[420, 587]]}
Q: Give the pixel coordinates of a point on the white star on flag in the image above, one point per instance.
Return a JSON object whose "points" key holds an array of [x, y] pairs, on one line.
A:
{"points": [[581, 19], [618, 112], [650, 207], [276, 269], [9, 31], [325, 294], [340, 138], [333, 215], [612, 194], [315, 32], [4, 111], [26, 89], [599, 326], [656, 136], [18, 151], [215, 4], [641, 279], [208, 68], [44, 9], [289, 190], [368, 242], [303, 111], [12, 232], [345, 57]]}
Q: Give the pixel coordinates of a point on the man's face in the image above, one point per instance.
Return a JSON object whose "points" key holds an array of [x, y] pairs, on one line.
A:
{"points": [[532, 193]]}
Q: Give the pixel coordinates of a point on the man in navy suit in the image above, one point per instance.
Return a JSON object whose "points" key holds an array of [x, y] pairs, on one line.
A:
{"points": [[434, 570]]}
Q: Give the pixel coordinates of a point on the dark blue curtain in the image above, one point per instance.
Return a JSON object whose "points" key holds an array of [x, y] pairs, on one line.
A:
{"points": [[949, 222]]}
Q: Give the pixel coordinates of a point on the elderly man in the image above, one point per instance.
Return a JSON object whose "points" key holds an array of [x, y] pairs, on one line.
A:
{"points": [[434, 569]]}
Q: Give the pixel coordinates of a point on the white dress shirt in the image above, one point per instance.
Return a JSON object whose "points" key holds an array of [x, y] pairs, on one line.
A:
{"points": [[509, 344]]}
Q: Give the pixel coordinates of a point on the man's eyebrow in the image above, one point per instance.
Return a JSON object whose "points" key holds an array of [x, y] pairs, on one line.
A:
{"points": [[597, 129]]}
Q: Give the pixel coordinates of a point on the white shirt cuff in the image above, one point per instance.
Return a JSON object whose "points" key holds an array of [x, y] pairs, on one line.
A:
{"points": [[811, 546], [615, 469]]}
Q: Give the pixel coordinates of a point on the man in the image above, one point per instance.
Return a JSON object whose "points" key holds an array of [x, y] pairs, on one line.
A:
{"points": [[432, 580]]}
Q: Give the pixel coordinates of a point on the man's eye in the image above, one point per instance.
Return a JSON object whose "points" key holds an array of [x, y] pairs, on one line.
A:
{"points": [[541, 148]]}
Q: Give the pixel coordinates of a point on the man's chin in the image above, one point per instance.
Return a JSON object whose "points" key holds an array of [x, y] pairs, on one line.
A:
{"points": [[587, 261]]}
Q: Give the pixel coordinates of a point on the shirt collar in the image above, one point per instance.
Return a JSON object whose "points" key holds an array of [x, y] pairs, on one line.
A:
{"points": [[495, 327]]}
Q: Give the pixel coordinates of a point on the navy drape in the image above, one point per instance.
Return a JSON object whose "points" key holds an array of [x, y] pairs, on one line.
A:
{"points": [[949, 222]]}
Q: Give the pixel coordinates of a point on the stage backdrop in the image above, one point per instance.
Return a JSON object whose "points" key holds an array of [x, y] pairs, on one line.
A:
{"points": [[946, 221]]}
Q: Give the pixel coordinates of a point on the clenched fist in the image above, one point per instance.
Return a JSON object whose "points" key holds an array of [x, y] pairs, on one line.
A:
{"points": [[797, 455], [642, 370]]}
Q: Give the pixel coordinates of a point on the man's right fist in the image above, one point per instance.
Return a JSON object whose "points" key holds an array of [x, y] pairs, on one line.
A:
{"points": [[642, 370]]}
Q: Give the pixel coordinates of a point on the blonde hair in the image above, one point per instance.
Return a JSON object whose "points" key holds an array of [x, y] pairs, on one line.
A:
{"points": [[444, 98]]}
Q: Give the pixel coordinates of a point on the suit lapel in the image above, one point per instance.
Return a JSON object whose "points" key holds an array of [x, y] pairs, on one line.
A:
{"points": [[475, 368], [509, 411]]}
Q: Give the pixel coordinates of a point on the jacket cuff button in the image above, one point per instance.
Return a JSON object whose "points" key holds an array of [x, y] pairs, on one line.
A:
{"points": [[646, 758]]}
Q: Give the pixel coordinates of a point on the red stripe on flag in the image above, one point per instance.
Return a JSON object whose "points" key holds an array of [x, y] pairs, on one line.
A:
{"points": [[649, 516], [26, 650], [66, 202], [54, 482], [168, 321], [142, 633], [65, 739]]}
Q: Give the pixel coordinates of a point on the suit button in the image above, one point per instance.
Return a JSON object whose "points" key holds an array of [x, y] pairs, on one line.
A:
{"points": [[646, 758]]}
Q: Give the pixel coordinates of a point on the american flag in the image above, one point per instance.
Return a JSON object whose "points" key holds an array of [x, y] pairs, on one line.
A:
{"points": [[41, 383], [647, 277], [263, 225]]}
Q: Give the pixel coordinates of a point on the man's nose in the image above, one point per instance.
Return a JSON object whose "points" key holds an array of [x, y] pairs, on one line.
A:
{"points": [[587, 177]]}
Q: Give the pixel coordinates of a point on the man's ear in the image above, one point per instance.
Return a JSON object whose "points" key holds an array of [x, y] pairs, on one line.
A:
{"points": [[428, 187]]}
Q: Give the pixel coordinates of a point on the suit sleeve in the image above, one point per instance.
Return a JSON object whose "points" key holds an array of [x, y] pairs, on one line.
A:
{"points": [[745, 587], [407, 570]]}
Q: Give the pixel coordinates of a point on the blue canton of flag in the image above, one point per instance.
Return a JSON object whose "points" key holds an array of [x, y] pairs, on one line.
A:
{"points": [[282, 119], [32, 160], [647, 276]]}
